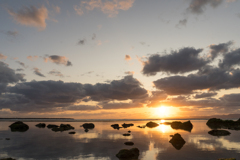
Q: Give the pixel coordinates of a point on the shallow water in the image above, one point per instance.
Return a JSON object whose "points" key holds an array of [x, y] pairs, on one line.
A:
{"points": [[103, 142]]}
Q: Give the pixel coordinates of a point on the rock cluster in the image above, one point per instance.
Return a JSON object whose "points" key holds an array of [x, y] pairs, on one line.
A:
{"points": [[88, 126], [187, 126], [124, 125], [152, 124], [61, 128], [128, 154], [19, 126], [216, 123]]}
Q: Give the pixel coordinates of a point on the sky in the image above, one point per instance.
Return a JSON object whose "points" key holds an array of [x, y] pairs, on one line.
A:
{"points": [[119, 59]]}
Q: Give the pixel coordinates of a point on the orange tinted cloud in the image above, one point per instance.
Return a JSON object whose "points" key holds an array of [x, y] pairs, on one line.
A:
{"points": [[3, 56], [58, 60], [127, 57], [31, 16], [108, 7], [32, 58]]}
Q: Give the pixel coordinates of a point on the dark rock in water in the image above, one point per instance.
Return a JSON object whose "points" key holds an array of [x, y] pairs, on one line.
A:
{"points": [[52, 126], [115, 126], [141, 126], [216, 132], [88, 126], [129, 131], [86, 130], [71, 132], [7, 138], [41, 125], [152, 124], [216, 123], [129, 143], [63, 127], [124, 125], [227, 159], [126, 134], [128, 154], [187, 126], [177, 141], [7, 159], [19, 127]]}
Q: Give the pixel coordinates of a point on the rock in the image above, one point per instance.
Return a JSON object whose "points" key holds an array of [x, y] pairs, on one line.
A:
{"points": [[88, 126], [216, 132], [63, 127], [129, 143], [115, 126], [126, 154], [187, 126], [7, 159], [129, 131], [152, 124], [71, 132], [141, 126], [227, 159], [52, 126], [216, 123], [124, 125], [126, 134], [41, 125], [177, 141], [19, 127], [7, 138]]}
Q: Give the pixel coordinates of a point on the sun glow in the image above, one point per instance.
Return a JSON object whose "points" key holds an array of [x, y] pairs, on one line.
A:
{"points": [[163, 111]]}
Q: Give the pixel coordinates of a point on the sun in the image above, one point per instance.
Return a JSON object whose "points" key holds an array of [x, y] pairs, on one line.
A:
{"points": [[162, 111]]}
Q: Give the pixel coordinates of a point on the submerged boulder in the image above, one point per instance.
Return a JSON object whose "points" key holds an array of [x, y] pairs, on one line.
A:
{"points": [[227, 159], [177, 141], [19, 126], [115, 126], [129, 143], [41, 125], [62, 127], [187, 126], [52, 126], [124, 125], [126, 134], [152, 124], [216, 132], [216, 123], [127, 154], [71, 132], [88, 125]]}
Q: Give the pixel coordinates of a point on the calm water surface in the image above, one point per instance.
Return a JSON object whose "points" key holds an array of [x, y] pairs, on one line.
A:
{"points": [[103, 142]]}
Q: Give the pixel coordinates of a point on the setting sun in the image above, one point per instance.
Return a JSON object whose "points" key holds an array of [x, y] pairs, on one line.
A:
{"points": [[163, 111]]}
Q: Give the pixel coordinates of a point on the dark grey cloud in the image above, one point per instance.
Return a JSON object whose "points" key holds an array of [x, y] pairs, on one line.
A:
{"points": [[60, 60], [207, 78], [19, 69], [205, 95], [38, 72], [185, 60], [82, 41], [230, 59], [94, 36], [22, 64], [44, 95], [8, 75], [56, 73], [220, 48], [182, 22], [198, 6], [12, 33]]}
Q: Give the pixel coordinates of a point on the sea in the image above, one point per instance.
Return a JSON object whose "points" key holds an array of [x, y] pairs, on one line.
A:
{"points": [[103, 142]]}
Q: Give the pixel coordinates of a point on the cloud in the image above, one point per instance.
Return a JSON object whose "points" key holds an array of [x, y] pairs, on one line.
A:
{"points": [[22, 64], [3, 56], [185, 60], [11, 33], [60, 60], [220, 48], [129, 72], [56, 73], [205, 95], [182, 22], [94, 36], [37, 72], [57, 9], [47, 95], [231, 59], [82, 41], [32, 58], [111, 8], [197, 6], [19, 69], [127, 57], [8, 75], [87, 73], [155, 98], [31, 16]]}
